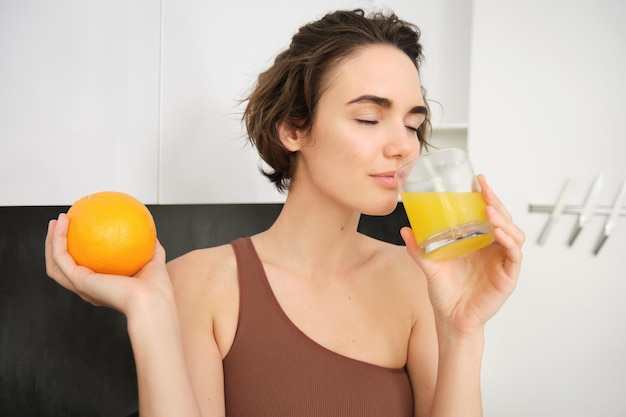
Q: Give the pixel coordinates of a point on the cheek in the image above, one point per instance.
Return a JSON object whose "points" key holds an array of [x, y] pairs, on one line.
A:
{"points": [[340, 141], [359, 150], [417, 150], [335, 141]]}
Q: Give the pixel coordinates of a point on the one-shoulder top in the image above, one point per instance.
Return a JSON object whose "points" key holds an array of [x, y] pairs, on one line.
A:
{"points": [[273, 369]]}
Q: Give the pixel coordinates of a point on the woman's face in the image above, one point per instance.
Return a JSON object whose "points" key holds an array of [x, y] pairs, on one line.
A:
{"points": [[364, 130]]}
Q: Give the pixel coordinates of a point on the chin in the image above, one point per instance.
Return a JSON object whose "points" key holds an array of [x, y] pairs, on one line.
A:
{"points": [[383, 208]]}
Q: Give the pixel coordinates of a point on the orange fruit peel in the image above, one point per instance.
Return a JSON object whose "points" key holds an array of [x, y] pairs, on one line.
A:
{"points": [[111, 232]]}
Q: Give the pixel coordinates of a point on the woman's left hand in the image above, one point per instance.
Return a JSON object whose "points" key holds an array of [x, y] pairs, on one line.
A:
{"points": [[467, 291]]}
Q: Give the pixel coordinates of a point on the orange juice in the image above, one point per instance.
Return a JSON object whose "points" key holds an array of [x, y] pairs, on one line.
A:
{"points": [[450, 223]]}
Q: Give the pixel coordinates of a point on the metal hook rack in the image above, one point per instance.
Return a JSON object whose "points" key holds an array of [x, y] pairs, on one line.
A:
{"points": [[585, 212]]}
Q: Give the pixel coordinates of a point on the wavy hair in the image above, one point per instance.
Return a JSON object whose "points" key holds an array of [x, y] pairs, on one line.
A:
{"points": [[290, 89]]}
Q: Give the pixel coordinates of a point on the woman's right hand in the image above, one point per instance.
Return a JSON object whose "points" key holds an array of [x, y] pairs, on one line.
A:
{"points": [[114, 291]]}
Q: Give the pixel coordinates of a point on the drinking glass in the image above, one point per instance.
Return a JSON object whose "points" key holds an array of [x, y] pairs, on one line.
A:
{"points": [[442, 200]]}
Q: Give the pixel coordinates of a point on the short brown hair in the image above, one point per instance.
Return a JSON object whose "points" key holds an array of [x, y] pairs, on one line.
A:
{"points": [[291, 88]]}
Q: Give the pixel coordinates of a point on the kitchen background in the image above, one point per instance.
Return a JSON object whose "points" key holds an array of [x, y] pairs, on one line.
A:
{"points": [[142, 96]]}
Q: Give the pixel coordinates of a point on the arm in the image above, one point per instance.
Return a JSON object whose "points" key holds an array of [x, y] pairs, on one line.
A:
{"points": [[147, 301], [458, 375], [206, 292], [444, 369], [164, 384]]}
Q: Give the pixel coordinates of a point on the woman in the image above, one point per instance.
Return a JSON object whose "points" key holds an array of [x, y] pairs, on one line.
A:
{"points": [[311, 318]]}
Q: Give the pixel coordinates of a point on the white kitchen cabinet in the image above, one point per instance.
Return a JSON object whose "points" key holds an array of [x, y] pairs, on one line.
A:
{"points": [[79, 99], [143, 96]]}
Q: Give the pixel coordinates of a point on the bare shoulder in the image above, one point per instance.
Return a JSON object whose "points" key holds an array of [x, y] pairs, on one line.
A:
{"points": [[205, 282], [205, 277], [203, 267]]}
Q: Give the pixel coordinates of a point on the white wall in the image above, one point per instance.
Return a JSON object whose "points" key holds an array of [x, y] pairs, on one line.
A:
{"points": [[141, 96], [212, 56], [547, 96]]}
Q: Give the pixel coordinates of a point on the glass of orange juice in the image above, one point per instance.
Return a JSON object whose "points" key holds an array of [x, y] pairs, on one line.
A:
{"points": [[442, 200]]}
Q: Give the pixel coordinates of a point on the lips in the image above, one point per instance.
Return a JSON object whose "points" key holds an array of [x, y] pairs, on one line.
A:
{"points": [[387, 179]]}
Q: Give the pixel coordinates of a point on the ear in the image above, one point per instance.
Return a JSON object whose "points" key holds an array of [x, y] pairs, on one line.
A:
{"points": [[289, 135]]}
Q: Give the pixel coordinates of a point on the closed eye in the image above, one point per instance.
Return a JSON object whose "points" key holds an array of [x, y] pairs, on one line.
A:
{"points": [[367, 122]]}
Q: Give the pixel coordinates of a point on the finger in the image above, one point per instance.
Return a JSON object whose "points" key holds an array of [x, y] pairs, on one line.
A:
{"points": [[409, 240], [59, 253], [502, 221], [155, 264], [52, 268], [70, 275], [159, 252], [490, 197], [502, 217], [91, 287], [513, 260], [48, 247], [414, 250], [505, 240]]}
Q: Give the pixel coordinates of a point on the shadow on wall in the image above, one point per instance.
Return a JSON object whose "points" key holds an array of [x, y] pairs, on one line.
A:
{"points": [[60, 356]]}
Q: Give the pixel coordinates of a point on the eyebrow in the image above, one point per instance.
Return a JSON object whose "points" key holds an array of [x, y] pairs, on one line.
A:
{"points": [[386, 103]]}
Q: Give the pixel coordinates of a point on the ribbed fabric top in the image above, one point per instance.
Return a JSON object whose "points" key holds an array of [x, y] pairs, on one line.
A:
{"points": [[274, 370]]}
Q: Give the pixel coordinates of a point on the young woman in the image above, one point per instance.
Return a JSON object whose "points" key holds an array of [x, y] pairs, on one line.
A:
{"points": [[311, 318]]}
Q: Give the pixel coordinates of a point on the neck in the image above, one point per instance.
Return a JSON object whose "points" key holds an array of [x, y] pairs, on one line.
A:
{"points": [[313, 237]]}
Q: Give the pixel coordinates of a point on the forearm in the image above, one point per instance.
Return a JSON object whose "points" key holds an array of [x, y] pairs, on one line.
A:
{"points": [[165, 387], [458, 392]]}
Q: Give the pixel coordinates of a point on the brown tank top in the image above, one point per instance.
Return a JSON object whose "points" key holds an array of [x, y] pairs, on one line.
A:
{"points": [[274, 370]]}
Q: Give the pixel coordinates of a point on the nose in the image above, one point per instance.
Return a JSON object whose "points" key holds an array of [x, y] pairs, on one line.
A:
{"points": [[402, 143]]}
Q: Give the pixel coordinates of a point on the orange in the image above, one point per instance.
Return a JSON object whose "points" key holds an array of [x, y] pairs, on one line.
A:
{"points": [[111, 233]]}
